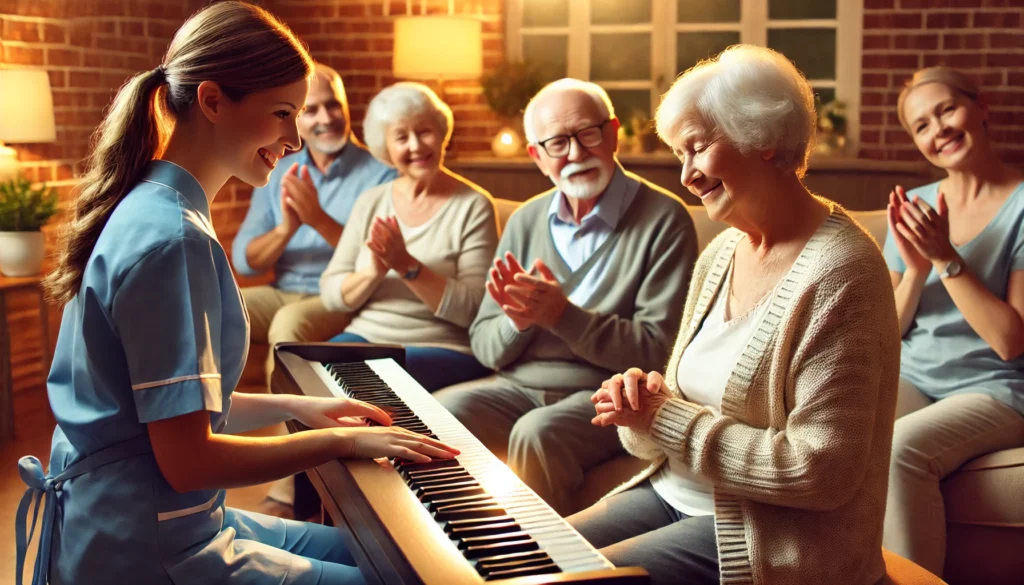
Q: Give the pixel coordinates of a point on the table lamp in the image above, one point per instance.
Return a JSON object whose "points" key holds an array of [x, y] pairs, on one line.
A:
{"points": [[26, 114], [437, 48]]}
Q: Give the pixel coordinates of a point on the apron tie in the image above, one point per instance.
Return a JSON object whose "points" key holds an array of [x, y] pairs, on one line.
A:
{"points": [[42, 486]]}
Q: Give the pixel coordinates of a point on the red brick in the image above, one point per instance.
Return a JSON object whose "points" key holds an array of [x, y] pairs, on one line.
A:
{"points": [[133, 28], [1005, 98], [55, 33], [997, 20], [958, 60], [356, 11], [1015, 137], [1015, 78], [890, 61], [874, 80], [878, 4], [877, 41], [1006, 40], [63, 57], [86, 79], [305, 27], [948, 20], [161, 28], [871, 118], [304, 10], [104, 60], [17, 55], [933, 4], [1003, 60], [907, 20], [924, 42], [58, 79], [19, 30], [963, 41]]}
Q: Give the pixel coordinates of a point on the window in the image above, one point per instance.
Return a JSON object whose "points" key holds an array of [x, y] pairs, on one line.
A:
{"points": [[636, 48]]}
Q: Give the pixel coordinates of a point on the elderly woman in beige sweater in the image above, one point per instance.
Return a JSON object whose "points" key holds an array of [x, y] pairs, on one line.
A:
{"points": [[769, 432]]}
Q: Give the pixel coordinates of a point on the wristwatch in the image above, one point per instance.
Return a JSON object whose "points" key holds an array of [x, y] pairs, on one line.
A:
{"points": [[953, 268], [413, 271]]}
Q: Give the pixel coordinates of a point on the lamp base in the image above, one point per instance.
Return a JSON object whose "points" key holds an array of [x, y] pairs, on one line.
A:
{"points": [[8, 162]]}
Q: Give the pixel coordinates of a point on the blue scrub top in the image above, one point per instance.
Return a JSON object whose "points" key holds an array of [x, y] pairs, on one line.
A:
{"points": [[942, 354], [158, 329]]}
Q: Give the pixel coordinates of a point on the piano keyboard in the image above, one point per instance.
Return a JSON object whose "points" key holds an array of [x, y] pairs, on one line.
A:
{"points": [[498, 524]]}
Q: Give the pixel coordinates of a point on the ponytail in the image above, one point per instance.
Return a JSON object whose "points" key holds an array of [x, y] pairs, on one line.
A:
{"points": [[237, 45], [125, 142]]}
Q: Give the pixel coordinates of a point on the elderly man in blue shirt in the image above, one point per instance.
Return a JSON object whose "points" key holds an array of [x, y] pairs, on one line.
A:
{"points": [[295, 221]]}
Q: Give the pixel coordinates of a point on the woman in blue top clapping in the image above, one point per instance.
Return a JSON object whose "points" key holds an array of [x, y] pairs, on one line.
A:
{"points": [[956, 255], [154, 336]]}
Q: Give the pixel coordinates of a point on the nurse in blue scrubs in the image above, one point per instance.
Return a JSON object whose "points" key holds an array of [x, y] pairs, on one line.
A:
{"points": [[154, 337]]}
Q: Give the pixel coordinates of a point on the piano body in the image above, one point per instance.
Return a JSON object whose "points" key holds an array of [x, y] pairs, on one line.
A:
{"points": [[464, 521]]}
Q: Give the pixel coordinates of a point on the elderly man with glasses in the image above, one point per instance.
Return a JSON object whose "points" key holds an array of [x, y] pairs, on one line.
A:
{"points": [[588, 281]]}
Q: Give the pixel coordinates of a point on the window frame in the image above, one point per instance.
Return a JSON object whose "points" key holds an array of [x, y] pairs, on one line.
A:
{"points": [[753, 28]]}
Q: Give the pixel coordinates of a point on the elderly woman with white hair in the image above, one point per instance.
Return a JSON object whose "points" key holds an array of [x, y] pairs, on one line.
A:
{"points": [[769, 432], [413, 259]]}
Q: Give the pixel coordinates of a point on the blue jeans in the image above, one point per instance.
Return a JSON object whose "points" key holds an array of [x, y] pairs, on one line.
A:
{"points": [[433, 367]]}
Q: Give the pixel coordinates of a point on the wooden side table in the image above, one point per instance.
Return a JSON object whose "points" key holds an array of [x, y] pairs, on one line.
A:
{"points": [[8, 284]]}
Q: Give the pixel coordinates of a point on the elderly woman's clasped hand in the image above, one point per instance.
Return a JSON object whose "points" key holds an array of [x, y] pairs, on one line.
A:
{"points": [[630, 399], [388, 245]]}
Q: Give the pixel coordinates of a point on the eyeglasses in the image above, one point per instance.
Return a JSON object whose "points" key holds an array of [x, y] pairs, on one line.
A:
{"points": [[589, 137]]}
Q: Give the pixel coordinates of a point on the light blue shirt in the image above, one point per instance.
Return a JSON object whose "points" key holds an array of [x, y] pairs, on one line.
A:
{"points": [[577, 243], [158, 329], [307, 253], [942, 354]]}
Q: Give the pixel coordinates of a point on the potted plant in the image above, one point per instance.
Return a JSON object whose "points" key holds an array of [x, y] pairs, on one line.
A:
{"points": [[507, 89], [23, 212], [831, 131]]}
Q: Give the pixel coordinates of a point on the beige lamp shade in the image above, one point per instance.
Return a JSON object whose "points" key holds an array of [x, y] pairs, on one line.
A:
{"points": [[26, 106], [437, 47]]}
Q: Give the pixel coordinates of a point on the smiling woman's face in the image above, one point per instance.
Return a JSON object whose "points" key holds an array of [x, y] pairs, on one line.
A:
{"points": [[713, 169], [415, 145], [946, 125]]}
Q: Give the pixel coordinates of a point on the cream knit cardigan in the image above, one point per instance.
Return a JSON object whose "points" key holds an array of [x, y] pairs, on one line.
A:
{"points": [[799, 457]]}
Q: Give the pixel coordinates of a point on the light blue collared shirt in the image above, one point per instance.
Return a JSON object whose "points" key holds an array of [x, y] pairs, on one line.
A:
{"points": [[577, 243], [307, 253]]}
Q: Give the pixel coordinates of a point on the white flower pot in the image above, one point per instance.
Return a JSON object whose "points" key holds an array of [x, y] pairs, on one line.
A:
{"points": [[21, 253]]}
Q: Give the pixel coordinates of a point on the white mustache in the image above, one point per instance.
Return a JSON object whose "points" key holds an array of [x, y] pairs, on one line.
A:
{"points": [[578, 167]]}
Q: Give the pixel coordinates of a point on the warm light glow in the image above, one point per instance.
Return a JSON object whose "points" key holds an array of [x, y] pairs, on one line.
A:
{"points": [[26, 106], [437, 47], [498, 481], [506, 138]]}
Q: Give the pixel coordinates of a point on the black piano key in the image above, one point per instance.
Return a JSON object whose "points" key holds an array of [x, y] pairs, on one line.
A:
{"points": [[436, 481], [431, 495], [469, 541], [462, 512], [512, 546], [534, 554], [483, 529], [522, 572], [406, 466], [485, 569]]}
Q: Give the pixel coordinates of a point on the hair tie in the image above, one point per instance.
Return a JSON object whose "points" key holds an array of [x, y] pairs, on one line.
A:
{"points": [[160, 72]]}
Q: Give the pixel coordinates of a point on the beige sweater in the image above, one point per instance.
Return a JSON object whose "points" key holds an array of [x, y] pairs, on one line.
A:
{"points": [[457, 243], [799, 456]]}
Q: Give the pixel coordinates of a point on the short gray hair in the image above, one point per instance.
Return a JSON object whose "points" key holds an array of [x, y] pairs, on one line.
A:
{"points": [[402, 101], [753, 96], [593, 90]]}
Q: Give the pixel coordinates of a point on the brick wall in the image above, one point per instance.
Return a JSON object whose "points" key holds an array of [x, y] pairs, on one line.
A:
{"points": [[89, 48], [982, 37]]}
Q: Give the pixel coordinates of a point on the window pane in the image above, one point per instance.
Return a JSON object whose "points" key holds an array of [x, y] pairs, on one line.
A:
{"points": [[812, 49], [708, 11], [549, 52], [620, 56], [545, 12], [797, 9], [618, 12], [631, 103], [823, 95], [694, 46]]}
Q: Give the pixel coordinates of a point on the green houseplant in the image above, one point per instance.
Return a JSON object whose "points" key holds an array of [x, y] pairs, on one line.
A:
{"points": [[507, 89], [24, 210]]}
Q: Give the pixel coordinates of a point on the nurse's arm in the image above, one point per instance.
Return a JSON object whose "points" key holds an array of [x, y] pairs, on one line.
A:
{"points": [[191, 457], [1000, 323], [256, 411], [263, 251]]}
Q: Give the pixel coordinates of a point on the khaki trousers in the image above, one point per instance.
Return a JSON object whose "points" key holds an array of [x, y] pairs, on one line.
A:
{"points": [[277, 316]]}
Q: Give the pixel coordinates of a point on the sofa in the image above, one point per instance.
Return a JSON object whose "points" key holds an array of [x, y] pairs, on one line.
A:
{"points": [[984, 499]]}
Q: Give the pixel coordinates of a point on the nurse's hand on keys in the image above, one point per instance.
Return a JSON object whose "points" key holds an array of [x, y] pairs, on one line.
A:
{"points": [[359, 441]]}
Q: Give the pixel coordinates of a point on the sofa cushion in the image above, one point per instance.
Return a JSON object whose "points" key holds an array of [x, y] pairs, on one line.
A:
{"points": [[987, 490]]}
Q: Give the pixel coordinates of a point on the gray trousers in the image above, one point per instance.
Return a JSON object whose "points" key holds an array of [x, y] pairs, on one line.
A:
{"points": [[545, 437], [636, 528]]}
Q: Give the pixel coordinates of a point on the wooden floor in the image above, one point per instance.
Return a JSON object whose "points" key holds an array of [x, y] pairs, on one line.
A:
{"points": [[33, 429]]}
